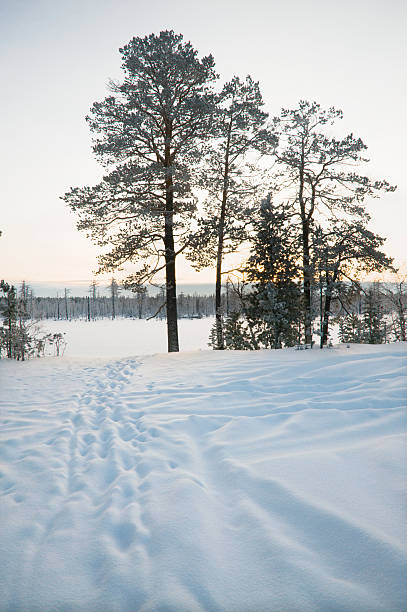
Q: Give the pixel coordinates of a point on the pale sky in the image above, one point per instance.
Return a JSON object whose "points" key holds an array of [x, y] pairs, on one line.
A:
{"points": [[56, 57]]}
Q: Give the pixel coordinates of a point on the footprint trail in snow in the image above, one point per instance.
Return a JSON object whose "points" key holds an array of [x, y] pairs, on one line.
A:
{"points": [[205, 481]]}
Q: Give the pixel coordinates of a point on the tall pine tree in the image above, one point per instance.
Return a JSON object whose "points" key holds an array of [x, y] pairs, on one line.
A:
{"points": [[319, 176], [231, 179], [148, 135]]}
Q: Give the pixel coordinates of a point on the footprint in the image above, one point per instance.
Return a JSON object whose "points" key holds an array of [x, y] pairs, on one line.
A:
{"points": [[124, 534], [103, 452], [111, 473], [126, 433], [75, 485], [127, 460], [78, 420], [128, 490], [143, 469], [106, 435], [89, 438]]}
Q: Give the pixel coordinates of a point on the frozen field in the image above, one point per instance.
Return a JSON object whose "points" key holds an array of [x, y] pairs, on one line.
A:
{"points": [[271, 481], [128, 337]]}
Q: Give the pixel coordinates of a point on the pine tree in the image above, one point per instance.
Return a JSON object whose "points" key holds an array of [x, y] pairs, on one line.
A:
{"points": [[231, 179], [271, 307], [351, 329], [20, 336], [237, 335], [140, 292], [66, 293], [114, 292], [24, 339], [374, 326], [92, 299], [274, 304], [395, 293], [8, 310], [148, 136], [343, 251], [315, 167]]}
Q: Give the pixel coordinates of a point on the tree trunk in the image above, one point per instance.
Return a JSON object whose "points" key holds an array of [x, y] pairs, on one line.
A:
{"points": [[325, 323], [307, 284], [402, 318], [171, 288], [220, 344], [10, 339], [220, 341], [66, 305], [306, 259], [113, 301], [402, 325], [170, 279]]}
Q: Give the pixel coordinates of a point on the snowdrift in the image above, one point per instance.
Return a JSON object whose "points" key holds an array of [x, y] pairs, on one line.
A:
{"points": [[237, 482]]}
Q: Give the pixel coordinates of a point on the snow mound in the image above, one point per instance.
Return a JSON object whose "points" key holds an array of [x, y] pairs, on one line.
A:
{"points": [[264, 481]]}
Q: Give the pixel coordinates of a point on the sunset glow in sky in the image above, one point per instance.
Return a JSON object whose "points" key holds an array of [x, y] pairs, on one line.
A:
{"points": [[56, 59]]}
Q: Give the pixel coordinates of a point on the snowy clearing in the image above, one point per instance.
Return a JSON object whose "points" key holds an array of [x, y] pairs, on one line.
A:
{"points": [[127, 337], [228, 481]]}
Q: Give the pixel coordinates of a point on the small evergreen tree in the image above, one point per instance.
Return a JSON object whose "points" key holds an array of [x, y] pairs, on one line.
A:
{"points": [[24, 340], [8, 310], [273, 306], [16, 339], [374, 326], [351, 329], [20, 336], [236, 333]]}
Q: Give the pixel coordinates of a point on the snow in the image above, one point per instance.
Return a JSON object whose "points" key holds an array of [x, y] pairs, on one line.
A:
{"points": [[127, 337], [203, 480]]}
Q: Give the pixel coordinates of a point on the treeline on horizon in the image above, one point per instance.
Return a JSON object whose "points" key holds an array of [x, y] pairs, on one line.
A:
{"points": [[142, 305]]}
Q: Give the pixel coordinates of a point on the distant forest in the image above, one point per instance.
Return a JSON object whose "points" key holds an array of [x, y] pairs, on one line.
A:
{"points": [[140, 306], [144, 305]]}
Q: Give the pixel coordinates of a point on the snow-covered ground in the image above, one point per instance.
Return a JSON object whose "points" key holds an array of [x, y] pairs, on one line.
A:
{"points": [[127, 337], [269, 481]]}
